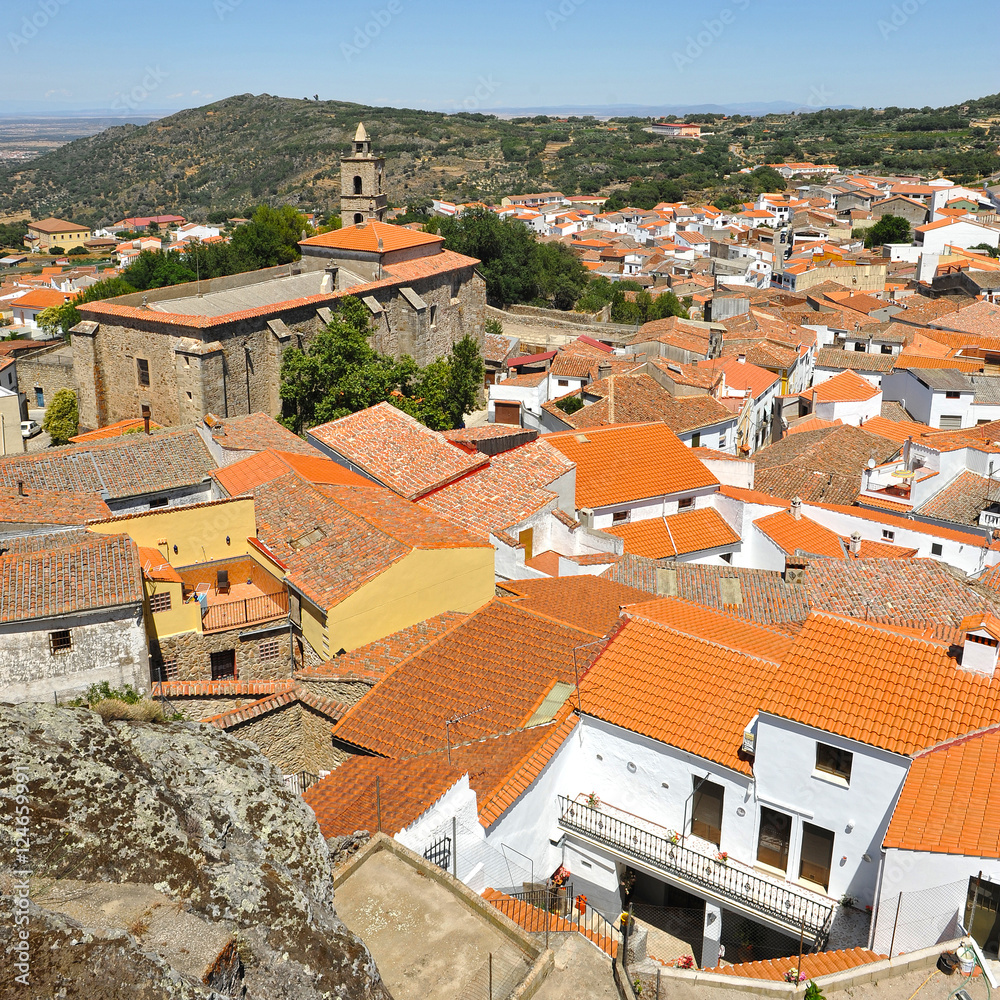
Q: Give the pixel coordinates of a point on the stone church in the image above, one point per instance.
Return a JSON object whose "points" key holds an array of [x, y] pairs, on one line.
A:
{"points": [[215, 346]]}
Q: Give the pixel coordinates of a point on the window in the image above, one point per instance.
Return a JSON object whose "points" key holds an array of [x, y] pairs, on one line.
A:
{"points": [[619, 517], [358, 218], [831, 760], [951, 394], [157, 502], [817, 854], [686, 504], [159, 602], [224, 664], [888, 536], [270, 649], [706, 811], [434, 310], [936, 549], [886, 348], [858, 346], [357, 185], [951, 422], [773, 836], [166, 671], [696, 439], [142, 370], [563, 383], [61, 642]]}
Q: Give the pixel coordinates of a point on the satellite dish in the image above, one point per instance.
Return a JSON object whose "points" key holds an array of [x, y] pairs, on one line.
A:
{"points": [[871, 463]]}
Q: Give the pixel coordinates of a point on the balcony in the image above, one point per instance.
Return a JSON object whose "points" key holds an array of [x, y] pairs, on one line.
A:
{"points": [[244, 593], [695, 867]]}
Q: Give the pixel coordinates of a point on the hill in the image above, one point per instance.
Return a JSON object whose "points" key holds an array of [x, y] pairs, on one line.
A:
{"points": [[246, 149]]}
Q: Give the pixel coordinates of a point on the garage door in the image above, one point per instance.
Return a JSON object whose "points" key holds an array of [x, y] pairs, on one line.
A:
{"points": [[507, 413]]}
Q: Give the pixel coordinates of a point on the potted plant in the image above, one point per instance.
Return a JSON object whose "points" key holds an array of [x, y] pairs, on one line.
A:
{"points": [[722, 857], [795, 977], [627, 881], [848, 902], [685, 962], [593, 800], [673, 836]]}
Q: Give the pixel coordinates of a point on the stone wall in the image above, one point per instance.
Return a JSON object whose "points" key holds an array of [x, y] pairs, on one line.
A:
{"points": [[107, 646], [347, 692], [278, 736], [318, 753], [192, 652], [49, 369]]}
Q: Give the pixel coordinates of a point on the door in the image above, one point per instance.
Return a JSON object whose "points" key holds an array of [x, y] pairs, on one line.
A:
{"points": [[706, 811], [982, 914], [224, 664], [39, 397], [817, 854], [773, 837], [507, 413], [526, 538]]}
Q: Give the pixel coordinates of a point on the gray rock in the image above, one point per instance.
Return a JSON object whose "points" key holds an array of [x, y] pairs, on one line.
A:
{"points": [[207, 822]]}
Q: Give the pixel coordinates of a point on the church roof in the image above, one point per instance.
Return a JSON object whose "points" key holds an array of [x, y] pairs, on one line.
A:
{"points": [[372, 237], [361, 135]]}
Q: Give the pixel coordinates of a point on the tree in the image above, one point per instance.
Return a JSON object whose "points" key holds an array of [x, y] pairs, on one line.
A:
{"points": [[987, 249], [493, 327], [77, 251], [62, 319], [217, 217], [271, 237], [465, 379], [62, 418], [888, 229], [157, 269], [570, 404]]}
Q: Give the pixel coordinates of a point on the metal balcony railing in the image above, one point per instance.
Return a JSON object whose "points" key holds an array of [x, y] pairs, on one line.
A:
{"points": [[769, 898]]}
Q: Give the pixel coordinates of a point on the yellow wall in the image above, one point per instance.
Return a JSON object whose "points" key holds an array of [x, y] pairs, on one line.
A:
{"points": [[11, 442], [312, 629], [65, 240], [180, 618], [199, 532], [419, 586]]}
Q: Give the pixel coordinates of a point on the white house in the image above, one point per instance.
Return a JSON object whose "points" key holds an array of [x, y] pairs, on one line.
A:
{"points": [[933, 237]]}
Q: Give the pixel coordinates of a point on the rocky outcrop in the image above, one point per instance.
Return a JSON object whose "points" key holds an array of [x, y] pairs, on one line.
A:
{"points": [[167, 861]]}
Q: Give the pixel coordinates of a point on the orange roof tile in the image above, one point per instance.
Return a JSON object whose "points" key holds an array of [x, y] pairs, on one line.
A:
{"points": [[823, 963], [396, 450], [676, 534], [131, 425], [40, 298], [156, 566], [373, 237], [956, 781], [582, 601], [800, 535], [45, 506], [844, 387], [653, 680], [491, 670], [812, 424], [879, 686], [626, 462], [741, 375], [249, 473]]}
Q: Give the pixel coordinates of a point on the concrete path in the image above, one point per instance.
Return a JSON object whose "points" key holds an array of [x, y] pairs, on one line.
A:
{"points": [[581, 971]]}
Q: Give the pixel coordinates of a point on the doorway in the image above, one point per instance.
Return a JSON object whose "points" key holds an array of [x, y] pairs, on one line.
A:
{"points": [[817, 855], [773, 838], [706, 811], [982, 915]]}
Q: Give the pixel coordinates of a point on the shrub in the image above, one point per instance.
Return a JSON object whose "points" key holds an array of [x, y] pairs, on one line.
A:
{"points": [[104, 691], [76, 251], [144, 710], [62, 418], [56, 251], [570, 404]]}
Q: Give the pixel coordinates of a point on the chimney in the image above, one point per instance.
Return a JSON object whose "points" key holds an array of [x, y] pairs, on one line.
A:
{"points": [[741, 358], [603, 371], [611, 399], [855, 543], [666, 581], [795, 570], [981, 644], [796, 507], [20, 488], [145, 418]]}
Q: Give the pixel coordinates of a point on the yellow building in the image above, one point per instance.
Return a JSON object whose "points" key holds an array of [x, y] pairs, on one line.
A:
{"points": [[48, 233]]}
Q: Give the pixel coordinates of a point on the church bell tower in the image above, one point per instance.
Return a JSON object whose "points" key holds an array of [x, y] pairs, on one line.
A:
{"points": [[362, 182]]}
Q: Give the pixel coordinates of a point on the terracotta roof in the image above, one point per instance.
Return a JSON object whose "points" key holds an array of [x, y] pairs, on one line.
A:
{"points": [[101, 571], [335, 539], [824, 464], [345, 800], [156, 566], [50, 506], [512, 487], [845, 387], [527, 381], [491, 669], [255, 432], [629, 462], [879, 686], [834, 357], [800, 535], [373, 237], [741, 375], [961, 501], [811, 424], [584, 601], [950, 801], [371, 662], [823, 963], [397, 450], [676, 534], [496, 347], [653, 680], [132, 425], [980, 318], [125, 466], [895, 430], [40, 298], [247, 474], [54, 225]]}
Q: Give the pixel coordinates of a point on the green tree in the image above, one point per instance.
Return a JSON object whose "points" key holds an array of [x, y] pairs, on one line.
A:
{"points": [[157, 269], [62, 418], [987, 249], [764, 180], [888, 229], [570, 404], [271, 237], [61, 319], [493, 327], [465, 379]]}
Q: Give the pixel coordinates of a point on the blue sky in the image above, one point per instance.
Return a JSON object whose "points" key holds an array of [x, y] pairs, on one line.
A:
{"points": [[447, 54]]}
